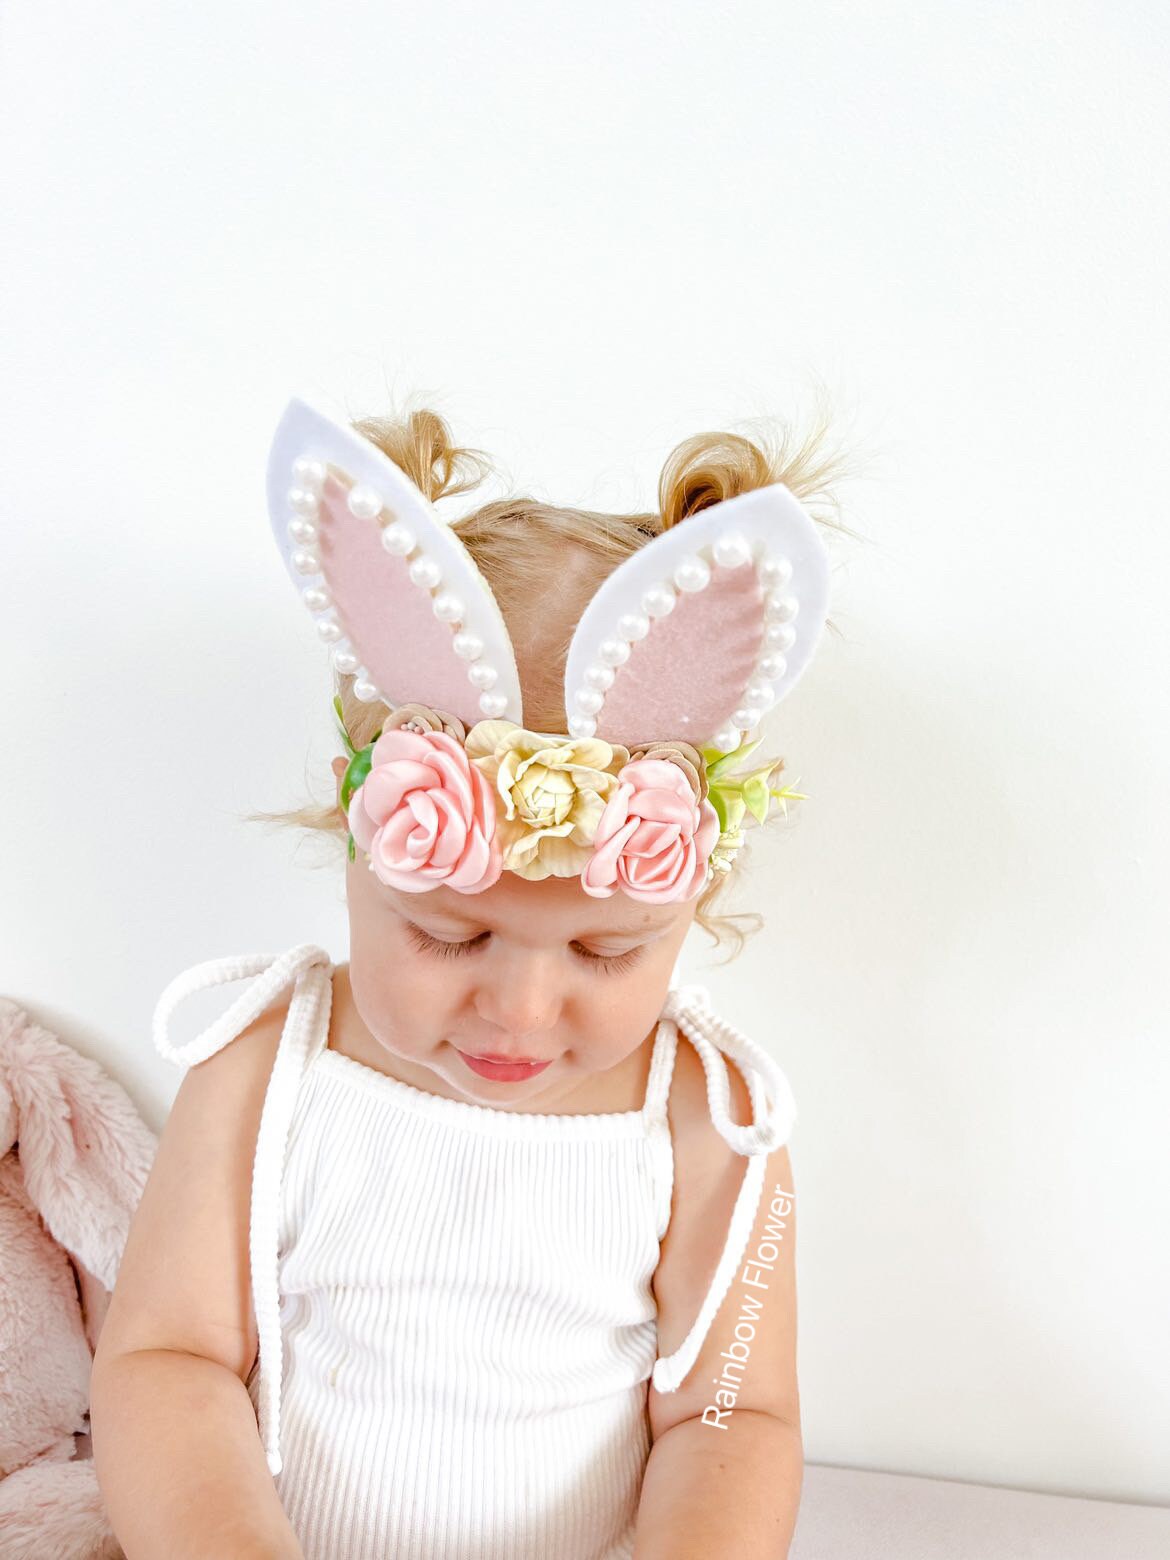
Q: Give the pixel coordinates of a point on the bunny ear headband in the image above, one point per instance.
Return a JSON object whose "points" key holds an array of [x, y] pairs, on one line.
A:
{"points": [[679, 653]]}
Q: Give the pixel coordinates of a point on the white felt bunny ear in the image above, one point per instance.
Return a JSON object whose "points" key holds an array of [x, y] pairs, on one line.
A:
{"points": [[403, 605], [704, 628]]}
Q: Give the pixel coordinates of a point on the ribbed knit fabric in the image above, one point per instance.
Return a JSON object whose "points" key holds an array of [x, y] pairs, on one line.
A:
{"points": [[454, 1302]]}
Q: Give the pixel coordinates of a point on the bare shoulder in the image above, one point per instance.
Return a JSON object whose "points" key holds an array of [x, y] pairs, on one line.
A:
{"points": [[184, 1281], [708, 1175]]}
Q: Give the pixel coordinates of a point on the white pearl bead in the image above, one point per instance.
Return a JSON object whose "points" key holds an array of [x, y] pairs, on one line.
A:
{"points": [[726, 739], [658, 602], [633, 625], [468, 647], [302, 530], [345, 661], [365, 691], [589, 701], [304, 501], [448, 607], [759, 695], [774, 572], [425, 572], [309, 473], [316, 599], [745, 718], [773, 666], [306, 562], [613, 652], [329, 629], [581, 726], [481, 675], [731, 551], [779, 636], [600, 677], [398, 539], [493, 705], [692, 574], [364, 502], [781, 609]]}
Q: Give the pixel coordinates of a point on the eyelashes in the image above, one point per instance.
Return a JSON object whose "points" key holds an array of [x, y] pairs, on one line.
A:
{"points": [[604, 964]]}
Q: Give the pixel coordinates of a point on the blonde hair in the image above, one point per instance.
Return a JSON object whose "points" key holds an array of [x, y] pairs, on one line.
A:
{"points": [[544, 562]]}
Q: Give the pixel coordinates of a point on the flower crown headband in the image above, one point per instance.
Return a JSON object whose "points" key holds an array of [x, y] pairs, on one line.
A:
{"points": [[681, 650]]}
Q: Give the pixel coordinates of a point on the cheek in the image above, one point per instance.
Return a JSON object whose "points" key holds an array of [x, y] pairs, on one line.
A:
{"points": [[649, 985], [619, 1012], [416, 1000], [393, 975], [407, 990]]}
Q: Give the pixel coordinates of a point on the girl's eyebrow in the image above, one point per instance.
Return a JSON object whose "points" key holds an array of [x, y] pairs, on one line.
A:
{"points": [[454, 918]]}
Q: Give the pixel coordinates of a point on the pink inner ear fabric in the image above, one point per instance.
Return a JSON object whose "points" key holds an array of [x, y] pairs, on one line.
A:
{"points": [[387, 618], [688, 674]]}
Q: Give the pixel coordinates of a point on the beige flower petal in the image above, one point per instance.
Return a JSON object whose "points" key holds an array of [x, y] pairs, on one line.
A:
{"points": [[557, 857], [486, 735], [423, 717], [589, 808], [688, 759]]}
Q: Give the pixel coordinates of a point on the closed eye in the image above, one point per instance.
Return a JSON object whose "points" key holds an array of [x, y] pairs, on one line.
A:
{"points": [[610, 964]]}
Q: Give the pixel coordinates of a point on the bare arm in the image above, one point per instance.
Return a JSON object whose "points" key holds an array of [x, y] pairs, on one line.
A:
{"points": [[711, 1492], [178, 1457], [179, 1462], [727, 1463]]}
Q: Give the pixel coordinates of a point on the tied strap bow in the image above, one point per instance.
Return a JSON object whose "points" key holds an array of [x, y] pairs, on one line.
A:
{"points": [[773, 1105]]}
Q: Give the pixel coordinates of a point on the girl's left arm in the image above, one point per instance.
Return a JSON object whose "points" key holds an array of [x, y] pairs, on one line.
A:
{"points": [[727, 1462], [738, 1499]]}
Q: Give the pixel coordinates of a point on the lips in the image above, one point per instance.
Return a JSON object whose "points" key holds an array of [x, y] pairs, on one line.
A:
{"points": [[507, 1061], [503, 1071]]}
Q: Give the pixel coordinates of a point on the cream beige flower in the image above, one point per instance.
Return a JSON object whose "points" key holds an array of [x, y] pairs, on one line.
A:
{"points": [[688, 758], [423, 717], [554, 790]]}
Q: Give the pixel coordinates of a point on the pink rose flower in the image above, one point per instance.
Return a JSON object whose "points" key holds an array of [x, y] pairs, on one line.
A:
{"points": [[654, 838], [426, 815]]}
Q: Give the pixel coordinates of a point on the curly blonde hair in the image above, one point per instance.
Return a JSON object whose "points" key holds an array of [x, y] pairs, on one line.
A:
{"points": [[544, 562]]}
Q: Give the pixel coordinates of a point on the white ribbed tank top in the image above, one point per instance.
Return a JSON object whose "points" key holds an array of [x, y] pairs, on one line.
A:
{"points": [[454, 1305]]}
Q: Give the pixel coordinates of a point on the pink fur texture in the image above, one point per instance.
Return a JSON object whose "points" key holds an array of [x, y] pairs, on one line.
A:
{"points": [[74, 1158]]}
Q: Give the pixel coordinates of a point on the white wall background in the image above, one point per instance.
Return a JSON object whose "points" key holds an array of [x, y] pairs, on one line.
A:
{"points": [[585, 237]]}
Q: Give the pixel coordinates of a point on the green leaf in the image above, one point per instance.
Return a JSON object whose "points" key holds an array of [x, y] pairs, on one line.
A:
{"points": [[755, 794], [352, 853], [355, 772], [792, 796], [728, 805], [762, 773], [719, 803], [349, 748], [729, 760]]}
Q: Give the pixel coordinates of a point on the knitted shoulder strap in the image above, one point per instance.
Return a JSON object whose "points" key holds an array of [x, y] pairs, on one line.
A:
{"points": [[773, 1115], [305, 1030], [655, 1116]]}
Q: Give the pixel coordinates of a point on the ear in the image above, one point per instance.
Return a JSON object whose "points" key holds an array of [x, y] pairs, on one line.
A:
{"points": [[402, 603], [704, 628]]}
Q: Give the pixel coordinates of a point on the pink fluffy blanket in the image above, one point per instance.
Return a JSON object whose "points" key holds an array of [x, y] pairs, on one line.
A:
{"points": [[74, 1158]]}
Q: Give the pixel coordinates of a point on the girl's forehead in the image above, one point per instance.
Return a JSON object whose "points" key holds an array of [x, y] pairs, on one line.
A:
{"points": [[559, 906]]}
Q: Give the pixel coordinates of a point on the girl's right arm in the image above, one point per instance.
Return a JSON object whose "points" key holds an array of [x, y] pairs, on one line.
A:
{"points": [[176, 1450]]}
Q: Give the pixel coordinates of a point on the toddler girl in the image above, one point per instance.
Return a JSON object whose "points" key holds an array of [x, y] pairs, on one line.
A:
{"points": [[494, 1265]]}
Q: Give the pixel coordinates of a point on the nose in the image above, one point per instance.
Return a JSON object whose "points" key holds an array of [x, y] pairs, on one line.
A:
{"points": [[522, 1000]]}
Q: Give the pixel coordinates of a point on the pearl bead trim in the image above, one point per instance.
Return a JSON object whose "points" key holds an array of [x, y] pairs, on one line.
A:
{"points": [[689, 574], [692, 574], [400, 541]]}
